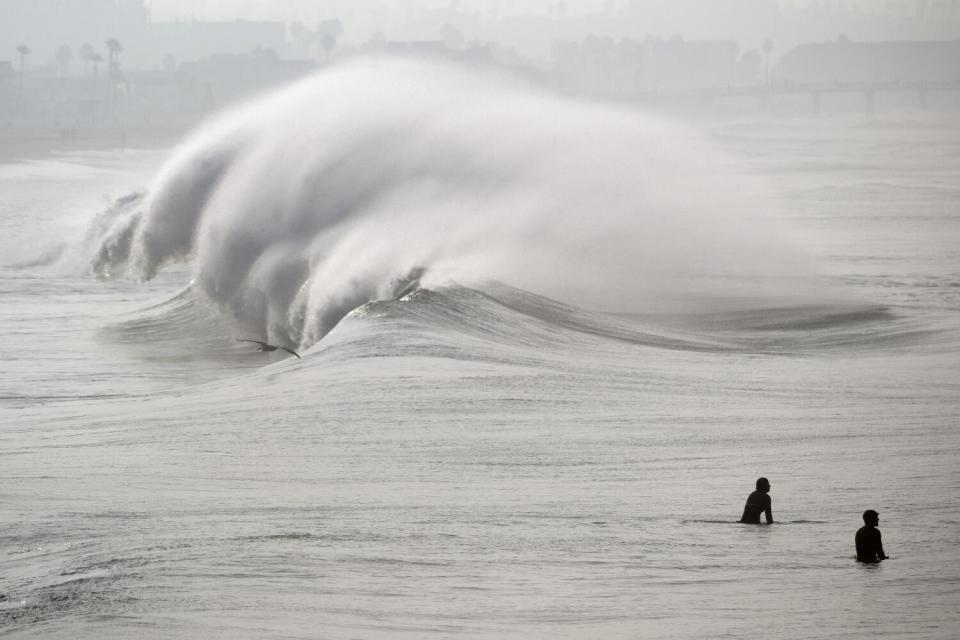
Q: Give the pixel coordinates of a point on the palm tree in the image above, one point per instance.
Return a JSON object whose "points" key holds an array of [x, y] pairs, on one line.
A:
{"points": [[96, 59], [86, 54], [113, 67], [328, 31], [767, 48], [64, 57], [24, 51], [113, 52], [300, 35]]}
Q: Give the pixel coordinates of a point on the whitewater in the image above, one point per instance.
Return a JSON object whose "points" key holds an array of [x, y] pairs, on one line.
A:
{"points": [[548, 346]]}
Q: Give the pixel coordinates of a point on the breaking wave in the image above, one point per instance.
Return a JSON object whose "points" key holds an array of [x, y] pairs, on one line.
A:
{"points": [[373, 177]]}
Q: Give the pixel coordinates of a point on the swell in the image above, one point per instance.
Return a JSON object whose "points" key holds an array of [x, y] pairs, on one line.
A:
{"points": [[502, 319]]}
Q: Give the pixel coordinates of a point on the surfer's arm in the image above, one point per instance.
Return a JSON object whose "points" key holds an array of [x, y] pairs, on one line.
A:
{"points": [[768, 510]]}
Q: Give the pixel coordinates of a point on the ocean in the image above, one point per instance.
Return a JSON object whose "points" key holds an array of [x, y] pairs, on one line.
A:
{"points": [[546, 348]]}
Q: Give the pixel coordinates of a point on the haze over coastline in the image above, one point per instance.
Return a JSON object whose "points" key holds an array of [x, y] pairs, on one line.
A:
{"points": [[127, 73], [790, 21]]}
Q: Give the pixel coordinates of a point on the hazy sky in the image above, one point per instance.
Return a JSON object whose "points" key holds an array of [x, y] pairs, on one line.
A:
{"points": [[259, 9]]}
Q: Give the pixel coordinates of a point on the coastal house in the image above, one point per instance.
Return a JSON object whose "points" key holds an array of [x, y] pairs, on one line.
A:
{"points": [[846, 61]]}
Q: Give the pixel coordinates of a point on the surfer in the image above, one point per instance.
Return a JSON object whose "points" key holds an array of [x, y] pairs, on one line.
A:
{"points": [[268, 347], [869, 545], [757, 502]]}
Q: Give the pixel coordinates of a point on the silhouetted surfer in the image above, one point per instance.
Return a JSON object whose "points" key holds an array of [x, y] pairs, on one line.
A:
{"points": [[869, 545], [758, 502]]}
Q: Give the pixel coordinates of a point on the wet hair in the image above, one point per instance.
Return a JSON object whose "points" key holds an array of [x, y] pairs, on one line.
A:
{"points": [[762, 482], [869, 515]]}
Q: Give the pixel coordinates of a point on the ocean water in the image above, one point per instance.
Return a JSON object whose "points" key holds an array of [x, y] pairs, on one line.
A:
{"points": [[547, 348]]}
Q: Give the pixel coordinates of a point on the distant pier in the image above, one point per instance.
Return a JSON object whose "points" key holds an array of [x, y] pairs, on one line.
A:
{"points": [[870, 91]]}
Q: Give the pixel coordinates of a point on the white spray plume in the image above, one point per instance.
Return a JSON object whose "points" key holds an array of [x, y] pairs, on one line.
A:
{"points": [[315, 199]]}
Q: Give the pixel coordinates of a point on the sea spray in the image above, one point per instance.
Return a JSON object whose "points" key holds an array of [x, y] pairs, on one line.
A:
{"points": [[306, 203]]}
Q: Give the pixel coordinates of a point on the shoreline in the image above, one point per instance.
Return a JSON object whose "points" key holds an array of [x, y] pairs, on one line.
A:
{"points": [[38, 143]]}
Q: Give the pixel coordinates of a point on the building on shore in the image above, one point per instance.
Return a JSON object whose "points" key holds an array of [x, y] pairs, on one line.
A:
{"points": [[190, 41], [677, 64], [82, 27], [6, 72], [629, 67], [846, 61], [219, 79]]}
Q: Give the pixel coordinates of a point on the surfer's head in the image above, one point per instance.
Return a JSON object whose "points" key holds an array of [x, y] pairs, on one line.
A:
{"points": [[871, 517], [763, 485]]}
